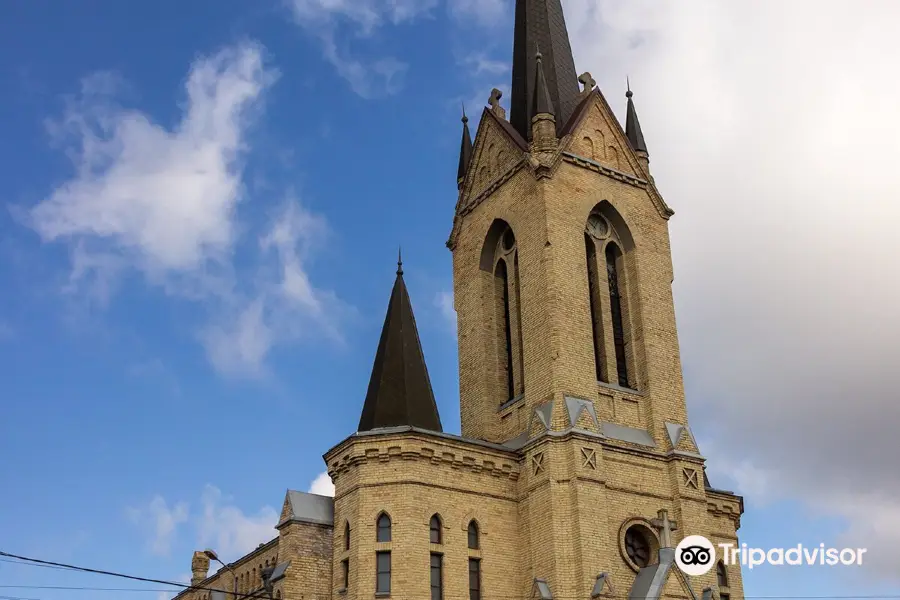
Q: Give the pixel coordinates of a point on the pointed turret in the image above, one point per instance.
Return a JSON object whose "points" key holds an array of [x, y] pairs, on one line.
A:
{"points": [[543, 121], [540, 24], [633, 126], [465, 151], [399, 390], [543, 102]]}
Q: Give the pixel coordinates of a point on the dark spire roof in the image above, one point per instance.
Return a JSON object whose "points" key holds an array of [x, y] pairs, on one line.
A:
{"points": [[399, 391], [465, 151], [633, 126], [542, 103], [540, 24]]}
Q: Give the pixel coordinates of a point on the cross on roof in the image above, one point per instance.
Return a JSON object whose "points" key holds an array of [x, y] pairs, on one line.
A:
{"points": [[665, 526]]}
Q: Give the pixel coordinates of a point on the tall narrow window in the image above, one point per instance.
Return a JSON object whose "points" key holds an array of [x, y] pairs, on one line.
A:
{"points": [[435, 530], [721, 575], [437, 576], [384, 528], [474, 579], [473, 535], [593, 275], [383, 576], [615, 308], [347, 535], [520, 387], [502, 285], [345, 573]]}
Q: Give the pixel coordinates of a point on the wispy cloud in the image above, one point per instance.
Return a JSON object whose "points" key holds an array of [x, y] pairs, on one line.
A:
{"points": [[444, 303], [480, 12], [164, 202], [160, 522], [217, 522], [328, 20], [224, 526]]}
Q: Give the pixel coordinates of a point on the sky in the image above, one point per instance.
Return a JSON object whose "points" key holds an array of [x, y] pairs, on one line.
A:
{"points": [[203, 204]]}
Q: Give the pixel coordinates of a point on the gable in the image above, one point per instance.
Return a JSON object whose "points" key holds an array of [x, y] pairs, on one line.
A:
{"points": [[494, 155], [598, 136]]}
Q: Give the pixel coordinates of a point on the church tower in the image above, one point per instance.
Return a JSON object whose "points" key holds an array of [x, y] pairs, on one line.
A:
{"points": [[568, 348]]}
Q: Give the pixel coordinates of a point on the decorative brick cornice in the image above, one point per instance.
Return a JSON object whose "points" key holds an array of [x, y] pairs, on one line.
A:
{"points": [[638, 182]]}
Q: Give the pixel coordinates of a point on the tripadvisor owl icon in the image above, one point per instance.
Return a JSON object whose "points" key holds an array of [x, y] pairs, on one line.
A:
{"points": [[695, 555]]}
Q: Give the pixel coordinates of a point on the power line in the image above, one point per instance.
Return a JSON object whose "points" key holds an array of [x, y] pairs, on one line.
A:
{"points": [[186, 587], [80, 588], [38, 562]]}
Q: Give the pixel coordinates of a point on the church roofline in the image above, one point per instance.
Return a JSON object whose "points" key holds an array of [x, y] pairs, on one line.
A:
{"points": [[389, 431]]}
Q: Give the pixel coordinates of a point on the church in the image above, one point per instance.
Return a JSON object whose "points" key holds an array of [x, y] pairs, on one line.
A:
{"points": [[575, 472]]}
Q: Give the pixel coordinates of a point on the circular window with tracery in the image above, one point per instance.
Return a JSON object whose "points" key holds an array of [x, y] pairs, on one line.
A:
{"points": [[638, 544]]}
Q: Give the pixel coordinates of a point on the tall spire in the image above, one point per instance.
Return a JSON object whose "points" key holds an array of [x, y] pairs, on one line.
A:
{"points": [[540, 24], [465, 151], [399, 390], [632, 125]]}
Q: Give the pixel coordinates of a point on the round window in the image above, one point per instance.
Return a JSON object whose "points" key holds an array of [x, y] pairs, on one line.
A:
{"points": [[637, 546]]}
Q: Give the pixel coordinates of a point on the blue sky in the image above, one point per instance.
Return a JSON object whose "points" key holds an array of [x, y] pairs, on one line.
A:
{"points": [[203, 207]]}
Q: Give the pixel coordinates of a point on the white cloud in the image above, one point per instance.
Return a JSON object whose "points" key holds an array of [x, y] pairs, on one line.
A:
{"points": [[163, 198], [775, 145], [225, 527], [322, 485], [326, 19], [164, 202], [160, 522]]}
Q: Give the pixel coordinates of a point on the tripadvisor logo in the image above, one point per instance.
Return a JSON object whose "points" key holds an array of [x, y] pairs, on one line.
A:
{"points": [[696, 555]]}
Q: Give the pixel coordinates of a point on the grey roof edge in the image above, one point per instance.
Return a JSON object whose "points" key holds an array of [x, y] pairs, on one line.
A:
{"points": [[313, 509], [279, 571], [388, 431], [651, 580], [685, 454], [624, 433]]}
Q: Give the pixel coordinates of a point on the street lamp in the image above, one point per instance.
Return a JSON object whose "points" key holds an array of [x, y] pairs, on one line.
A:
{"points": [[211, 555]]}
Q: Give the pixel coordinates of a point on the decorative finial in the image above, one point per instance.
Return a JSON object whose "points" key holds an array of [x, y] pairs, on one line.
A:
{"points": [[399, 261], [628, 94], [465, 119], [588, 81], [494, 100], [538, 54]]}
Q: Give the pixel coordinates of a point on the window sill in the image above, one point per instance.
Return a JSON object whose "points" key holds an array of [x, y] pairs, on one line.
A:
{"points": [[342, 591], [382, 594], [619, 388]]}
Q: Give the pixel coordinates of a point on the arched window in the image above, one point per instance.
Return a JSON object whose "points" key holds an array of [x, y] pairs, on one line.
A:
{"points": [[253, 579], [384, 528], [613, 259], [347, 535], [435, 530], [594, 296], [721, 575], [500, 258], [473, 535]]}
